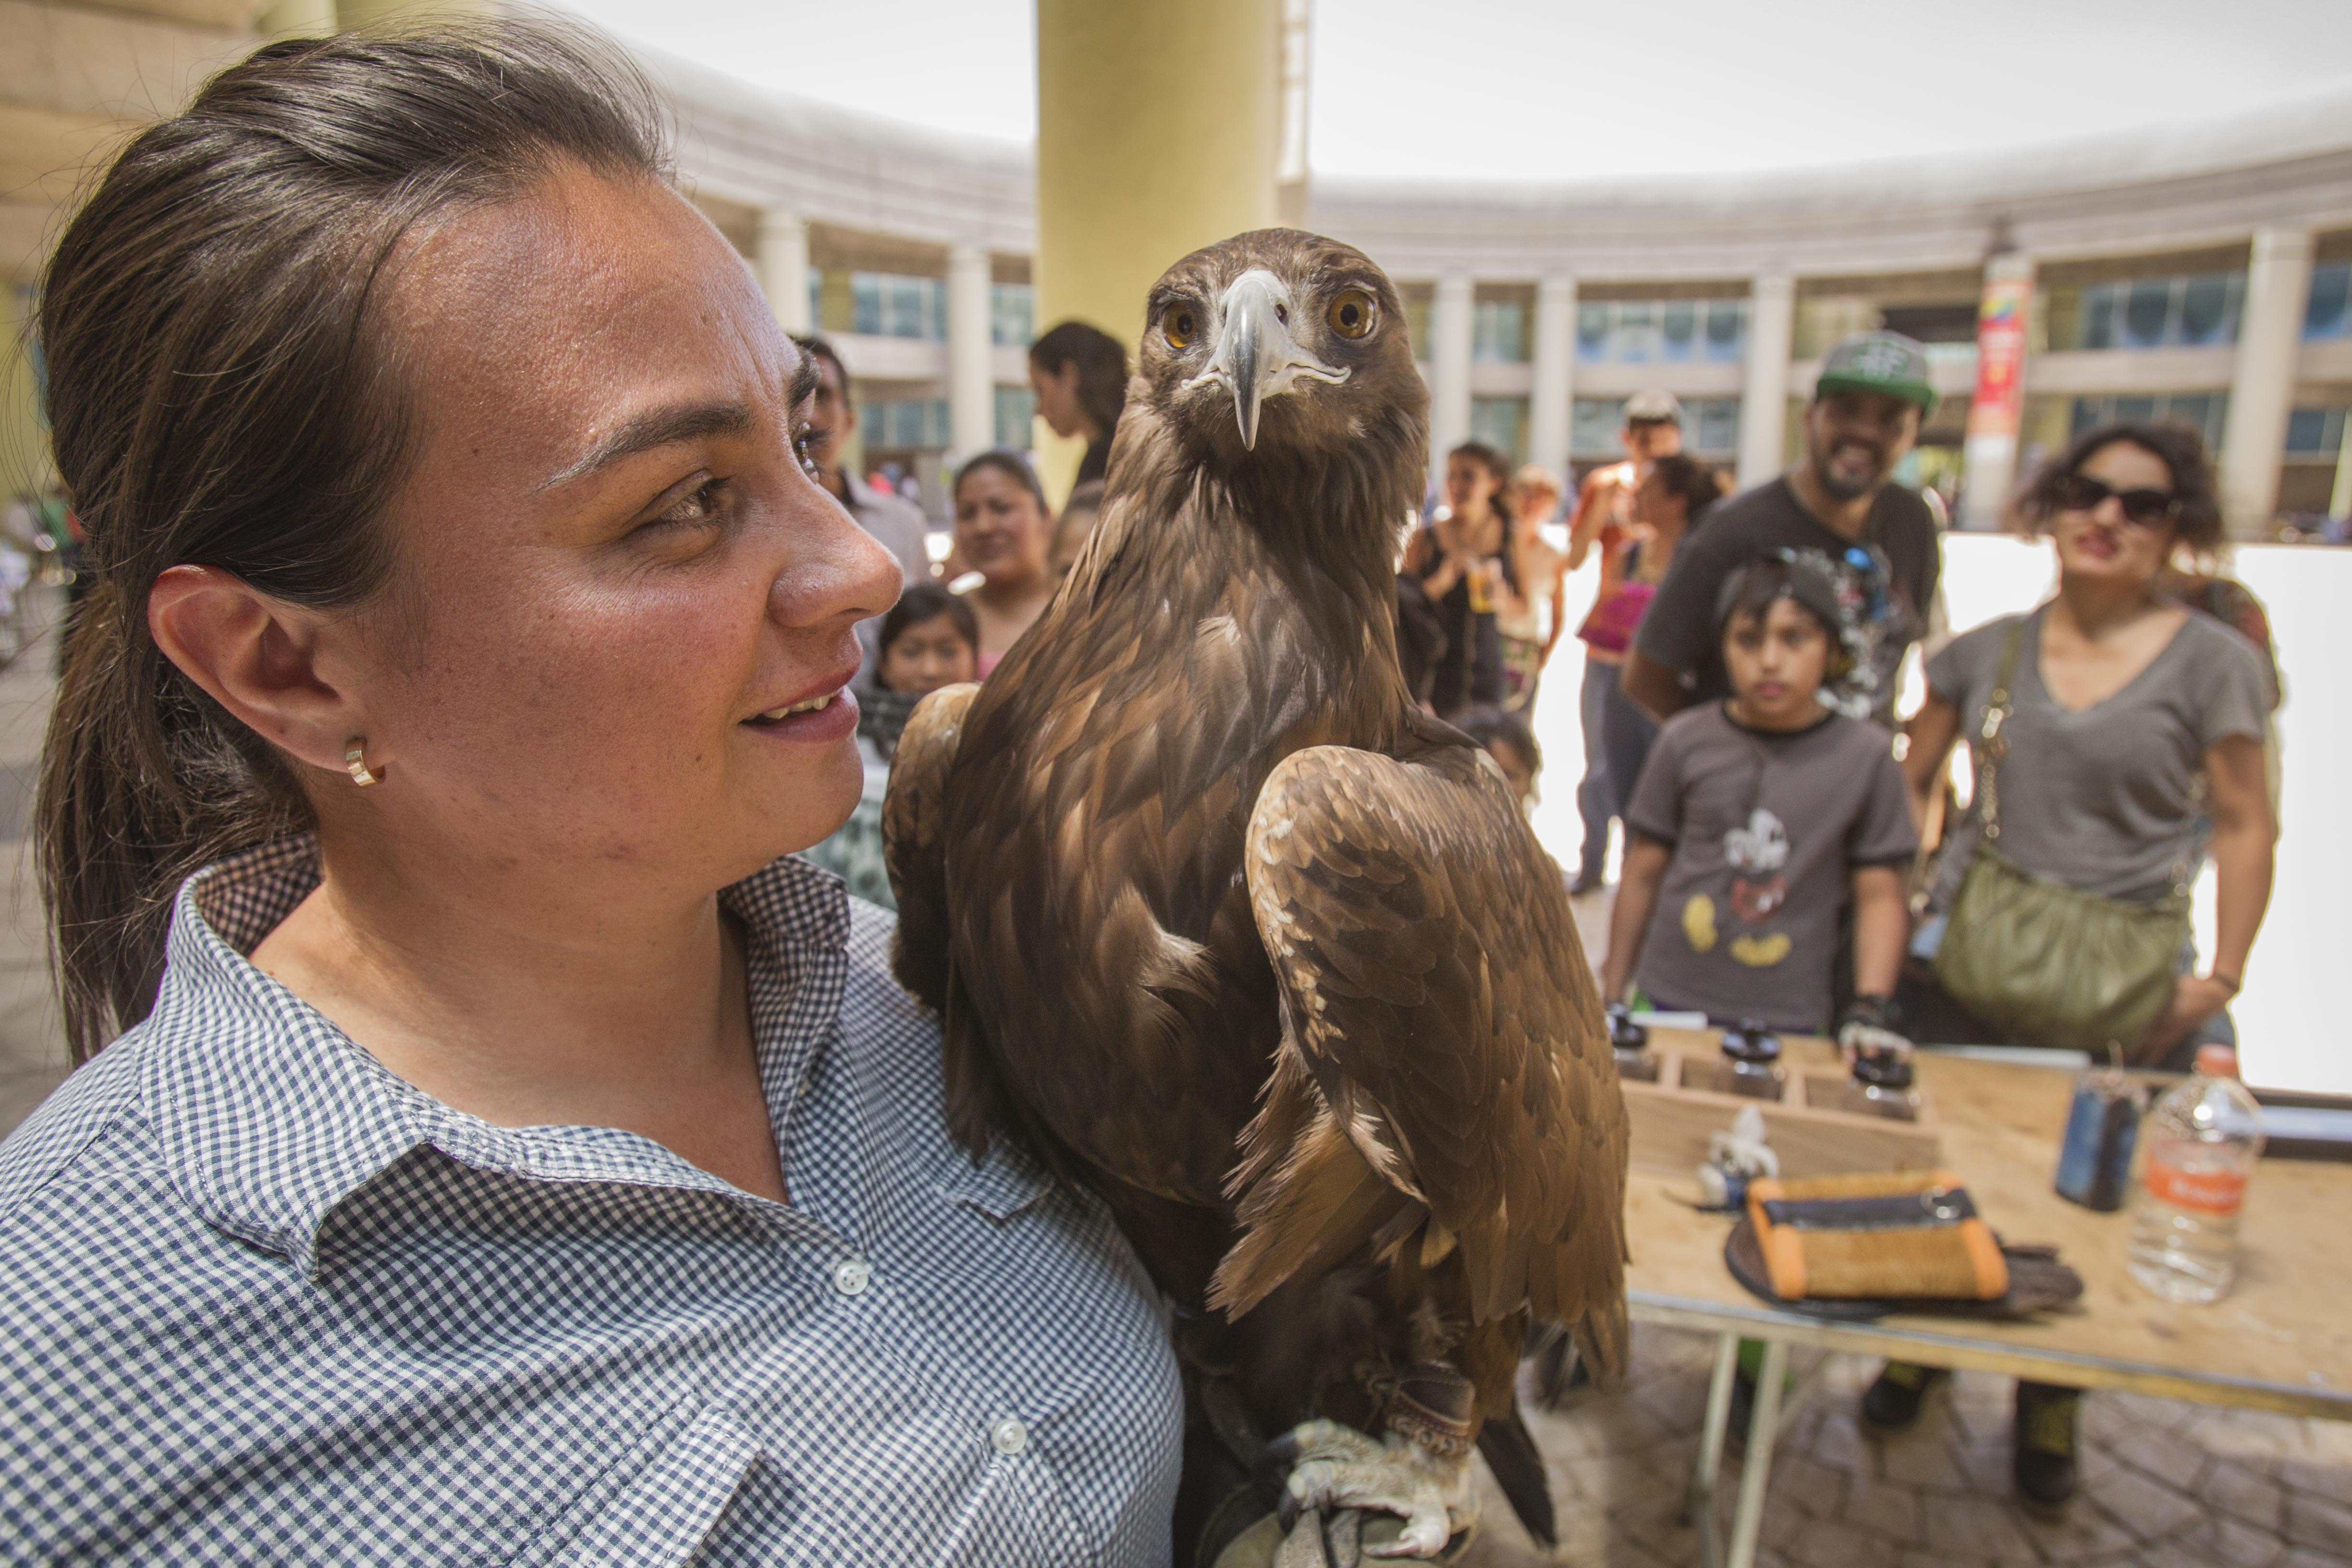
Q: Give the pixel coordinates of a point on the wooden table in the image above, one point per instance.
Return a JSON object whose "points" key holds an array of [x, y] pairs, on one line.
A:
{"points": [[2280, 1340]]}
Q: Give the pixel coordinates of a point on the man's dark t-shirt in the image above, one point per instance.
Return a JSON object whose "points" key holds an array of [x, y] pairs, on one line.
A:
{"points": [[1884, 583]]}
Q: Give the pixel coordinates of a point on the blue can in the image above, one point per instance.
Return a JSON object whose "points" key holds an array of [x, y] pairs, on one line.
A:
{"points": [[2095, 1160]]}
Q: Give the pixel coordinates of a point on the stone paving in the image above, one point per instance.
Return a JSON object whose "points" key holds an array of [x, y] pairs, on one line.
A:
{"points": [[2164, 1484]]}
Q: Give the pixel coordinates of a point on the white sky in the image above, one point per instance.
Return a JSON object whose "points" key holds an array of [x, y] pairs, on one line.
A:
{"points": [[1537, 89]]}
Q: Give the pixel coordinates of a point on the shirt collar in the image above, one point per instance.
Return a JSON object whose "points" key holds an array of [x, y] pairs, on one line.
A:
{"points": [[269, 1116]]}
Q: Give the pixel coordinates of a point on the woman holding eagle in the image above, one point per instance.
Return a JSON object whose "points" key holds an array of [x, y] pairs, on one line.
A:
{"points": [[510, 1152]]}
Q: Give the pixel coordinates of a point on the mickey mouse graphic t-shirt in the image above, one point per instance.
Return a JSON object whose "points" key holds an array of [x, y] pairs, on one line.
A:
{"points": [[1767, 830]]}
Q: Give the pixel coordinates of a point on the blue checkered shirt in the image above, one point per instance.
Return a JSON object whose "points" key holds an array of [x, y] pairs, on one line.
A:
{"points": [[261, 1301]]}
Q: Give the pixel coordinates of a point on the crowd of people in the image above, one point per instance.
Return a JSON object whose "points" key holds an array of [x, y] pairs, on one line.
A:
{"points": [[593, 993]]}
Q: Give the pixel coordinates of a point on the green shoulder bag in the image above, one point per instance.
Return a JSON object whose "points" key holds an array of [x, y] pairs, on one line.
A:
{"points": [[2048, 964]]}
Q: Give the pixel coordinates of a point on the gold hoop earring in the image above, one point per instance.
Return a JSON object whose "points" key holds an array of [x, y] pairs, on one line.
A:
{"points": [[355, 763]]}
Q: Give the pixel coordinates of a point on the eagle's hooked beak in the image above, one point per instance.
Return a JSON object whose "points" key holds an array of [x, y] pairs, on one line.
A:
{"points": [[1255, 356]]}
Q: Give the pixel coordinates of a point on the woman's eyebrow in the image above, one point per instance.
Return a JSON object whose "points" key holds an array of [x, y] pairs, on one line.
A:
{"points": [[658, 428]]}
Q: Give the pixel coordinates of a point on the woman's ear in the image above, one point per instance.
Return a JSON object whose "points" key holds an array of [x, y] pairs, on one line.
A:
{"points": [[260, 658]]}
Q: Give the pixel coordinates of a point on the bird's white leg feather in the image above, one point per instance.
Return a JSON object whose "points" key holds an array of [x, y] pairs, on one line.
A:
{"points": [[1339, 1466]]}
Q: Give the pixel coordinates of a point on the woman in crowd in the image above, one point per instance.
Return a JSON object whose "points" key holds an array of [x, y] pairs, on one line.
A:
{"points": [[928, 639], [1636, 552], [1004, 530], [2134, 747], [1079, 375], [1538, 581], [512, 1155], [1505, 736], [1460, 556]]}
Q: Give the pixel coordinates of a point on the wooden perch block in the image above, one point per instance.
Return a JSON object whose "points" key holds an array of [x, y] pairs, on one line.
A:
{"points": [[1673, 1118]]}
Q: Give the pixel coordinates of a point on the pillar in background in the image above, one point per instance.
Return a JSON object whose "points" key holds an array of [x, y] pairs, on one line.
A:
{"points": [[1990, 450], [1764, 390], [1551, 410], [971, 389], [1449, 356], [1159, 132], [2262, 385], [784, 268], [298, 19]]}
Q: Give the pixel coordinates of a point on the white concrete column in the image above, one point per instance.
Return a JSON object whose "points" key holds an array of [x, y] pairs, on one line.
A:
{"points": [[2262, 385], [783, 267], [971, 388], [1449, 354], [1764, 392], [1551, 410]]}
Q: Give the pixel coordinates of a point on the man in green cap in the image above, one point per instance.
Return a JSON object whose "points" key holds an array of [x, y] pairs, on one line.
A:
{"points": [[1834, 512]]}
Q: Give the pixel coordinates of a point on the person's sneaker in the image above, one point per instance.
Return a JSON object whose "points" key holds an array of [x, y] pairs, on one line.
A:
{"points": [[2043, 1434], [1891, 1402]]}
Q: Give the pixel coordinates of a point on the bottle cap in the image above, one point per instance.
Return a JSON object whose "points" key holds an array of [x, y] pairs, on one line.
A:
{"points": [[2218, 1061]]}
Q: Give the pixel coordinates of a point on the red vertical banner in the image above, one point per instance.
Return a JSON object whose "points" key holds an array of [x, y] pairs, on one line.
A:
{"points": [[2001, 346], [1990, 450]]}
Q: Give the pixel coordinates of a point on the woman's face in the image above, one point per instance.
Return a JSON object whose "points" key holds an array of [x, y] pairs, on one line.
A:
{"points": [[1470, 484], [620, 621], [1000, 529], [926, 656], [1057, 398], [2099, 542], [1536, 505]]}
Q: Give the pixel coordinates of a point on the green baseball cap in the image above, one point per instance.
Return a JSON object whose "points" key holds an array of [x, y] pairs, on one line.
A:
{"points": [[1886, 362]]}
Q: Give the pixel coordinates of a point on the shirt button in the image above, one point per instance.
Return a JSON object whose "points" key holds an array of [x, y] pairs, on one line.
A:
{"points": [[1008, 1436], [850, 1276]]}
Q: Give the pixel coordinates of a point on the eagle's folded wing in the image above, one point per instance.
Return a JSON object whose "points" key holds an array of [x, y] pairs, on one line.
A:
{"points": [[914, 848], [1434, 988]]}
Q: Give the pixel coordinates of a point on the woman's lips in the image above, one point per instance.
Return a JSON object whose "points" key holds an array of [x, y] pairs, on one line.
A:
{"points": [[830, 717]]}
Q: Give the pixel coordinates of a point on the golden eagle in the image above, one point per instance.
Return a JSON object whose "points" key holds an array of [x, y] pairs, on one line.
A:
{"points": [[1223, 927]]}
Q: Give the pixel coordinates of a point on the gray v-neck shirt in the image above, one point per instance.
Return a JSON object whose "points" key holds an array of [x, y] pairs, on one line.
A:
{"points": [[2108, 800]]}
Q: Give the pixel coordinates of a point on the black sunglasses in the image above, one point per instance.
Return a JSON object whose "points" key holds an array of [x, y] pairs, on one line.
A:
{"points": [[2143, 508]]}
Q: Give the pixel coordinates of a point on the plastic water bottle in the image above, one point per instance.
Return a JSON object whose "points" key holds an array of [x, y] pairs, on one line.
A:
{"points": [[2203, 1138]]}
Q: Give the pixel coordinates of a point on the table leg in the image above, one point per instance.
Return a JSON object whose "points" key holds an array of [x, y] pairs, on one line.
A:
{"points": [[1763, 1428], [1706, 1465]]}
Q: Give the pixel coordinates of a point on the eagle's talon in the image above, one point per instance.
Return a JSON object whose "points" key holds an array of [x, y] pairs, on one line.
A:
{"points": [[1340, 1468]]}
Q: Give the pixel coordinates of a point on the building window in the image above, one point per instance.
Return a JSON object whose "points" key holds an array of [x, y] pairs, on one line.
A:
{"points": [[1012, 317], [2315, 433], [893, 305], [1017, 407], [2204, 412], [916, 424], [1662, 331], [1710, 427], [2329, 312], [2186, 310], [816, 301], [1501, 423], [1498, 331]]}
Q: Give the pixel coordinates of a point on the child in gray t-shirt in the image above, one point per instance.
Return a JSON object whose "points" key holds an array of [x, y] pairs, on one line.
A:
{"points": [[1753, 822]]}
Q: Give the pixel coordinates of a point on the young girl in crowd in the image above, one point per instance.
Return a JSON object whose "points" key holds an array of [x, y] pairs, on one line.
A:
{"points": [[1754, 823], [1505, 736], [1538, 577], [1003, 531], [1458, 557], [928, 639]]}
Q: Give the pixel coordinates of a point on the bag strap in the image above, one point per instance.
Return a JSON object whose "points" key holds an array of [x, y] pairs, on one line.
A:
{"points": [[1990, 747]]}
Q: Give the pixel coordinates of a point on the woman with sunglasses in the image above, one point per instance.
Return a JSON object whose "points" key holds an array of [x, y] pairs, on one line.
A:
{"points": [[2135, 748]]}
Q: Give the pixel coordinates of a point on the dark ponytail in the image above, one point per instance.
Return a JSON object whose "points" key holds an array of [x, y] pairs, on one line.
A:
{"points": [[220, 395]]}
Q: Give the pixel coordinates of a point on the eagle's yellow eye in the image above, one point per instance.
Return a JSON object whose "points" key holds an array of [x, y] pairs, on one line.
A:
{"points": [[1350, 315], [1179, 326]]}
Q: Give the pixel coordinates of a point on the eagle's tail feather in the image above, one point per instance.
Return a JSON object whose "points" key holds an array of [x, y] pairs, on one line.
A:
{"points": [[1511, 1454]]}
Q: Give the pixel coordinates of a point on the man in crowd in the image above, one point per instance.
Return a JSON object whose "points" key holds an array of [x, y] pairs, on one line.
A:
{"points": [[896, 523], [1834, 512]]}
